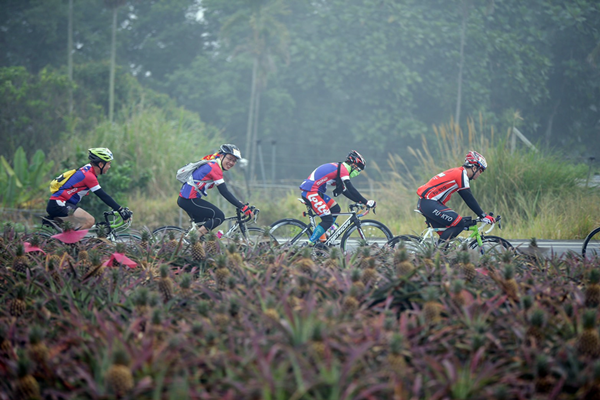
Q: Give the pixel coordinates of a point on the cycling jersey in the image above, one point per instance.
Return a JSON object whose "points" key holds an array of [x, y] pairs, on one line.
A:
{"points": [[207, 175], [77, 186], [443, 185], [324, 176]]}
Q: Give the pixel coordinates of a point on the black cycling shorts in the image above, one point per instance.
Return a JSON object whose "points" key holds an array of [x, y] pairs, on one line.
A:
{"points": [[59, 208]]}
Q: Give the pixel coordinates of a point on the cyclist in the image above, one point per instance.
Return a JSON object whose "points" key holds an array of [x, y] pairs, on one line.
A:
{"points": [[337, 175], [434, 195], [63, 203], [207, 176]]}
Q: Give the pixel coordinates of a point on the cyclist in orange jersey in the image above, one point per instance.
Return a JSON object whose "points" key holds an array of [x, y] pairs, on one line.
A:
{"points": [[434, 195]]}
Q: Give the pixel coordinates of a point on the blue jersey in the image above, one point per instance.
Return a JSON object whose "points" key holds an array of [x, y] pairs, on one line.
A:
{"points": [[324, 176]]}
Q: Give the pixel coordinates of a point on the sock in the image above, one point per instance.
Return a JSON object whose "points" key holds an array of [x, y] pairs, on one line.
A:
{"points": [[317, 234]]}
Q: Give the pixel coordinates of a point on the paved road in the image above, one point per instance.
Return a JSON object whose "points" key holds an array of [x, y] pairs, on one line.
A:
{"points": [[558, 247]]}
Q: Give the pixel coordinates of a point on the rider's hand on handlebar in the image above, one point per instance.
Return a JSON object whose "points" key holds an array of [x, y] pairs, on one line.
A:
{"points": [[248, 210], [125, 213], [371, 204], [488, 219]]}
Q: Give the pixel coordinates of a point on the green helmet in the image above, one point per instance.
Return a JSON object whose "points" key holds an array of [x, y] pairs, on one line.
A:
{"points": [[99, 154]]}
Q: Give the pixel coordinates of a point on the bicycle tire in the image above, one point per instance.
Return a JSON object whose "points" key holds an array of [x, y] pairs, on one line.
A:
{"points": [[375, 233], [290, 232], [492, 243], [161, 235], [411, 242], [591, 244], [257, 238]]}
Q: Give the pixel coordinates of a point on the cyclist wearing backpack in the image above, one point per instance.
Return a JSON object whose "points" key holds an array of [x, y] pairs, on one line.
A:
{"points": [[338, 175], [207, 176], [434, 195], [63, 202]]}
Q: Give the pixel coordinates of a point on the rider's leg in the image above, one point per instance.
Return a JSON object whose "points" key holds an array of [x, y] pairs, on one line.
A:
{"points": [[82, 219], [64, 211], [441, 216], [201, 211], [322, 205]]}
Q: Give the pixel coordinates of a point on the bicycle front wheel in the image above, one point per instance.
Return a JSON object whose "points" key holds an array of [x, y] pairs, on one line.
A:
{"points": [[371, 232], [492, 244], [591, 244], [290, 232], [163, 234], [259, 238], [410, 242]]}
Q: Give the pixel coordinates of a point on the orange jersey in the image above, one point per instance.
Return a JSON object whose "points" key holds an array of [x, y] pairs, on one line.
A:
{"points": [[443, 185]]}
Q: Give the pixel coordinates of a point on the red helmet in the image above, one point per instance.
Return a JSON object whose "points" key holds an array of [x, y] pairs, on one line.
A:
{"points": [[474, 158], [354, 158]]}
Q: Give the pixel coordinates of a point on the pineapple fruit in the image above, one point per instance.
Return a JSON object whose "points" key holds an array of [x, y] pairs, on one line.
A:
{"points": [[211, 246], [395, 358], [535, 330], [588, 342], [198, 253], [401, 263], [509, 283], [222, 273], [118, 378], [26, 387], [369, 275], [165, 284], [18, 304], [592, 289], [543, 380], [467, 268], [20, 262], [38, 351], [432, 309], [305, 265]]}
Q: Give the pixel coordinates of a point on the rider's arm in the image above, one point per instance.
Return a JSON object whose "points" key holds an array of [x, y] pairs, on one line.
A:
{"points": [[467, 196], [109, 201], [352, 193], [229, 196]]}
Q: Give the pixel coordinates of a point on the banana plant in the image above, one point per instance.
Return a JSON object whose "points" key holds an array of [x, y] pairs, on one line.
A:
{"points": [[25, 183]]}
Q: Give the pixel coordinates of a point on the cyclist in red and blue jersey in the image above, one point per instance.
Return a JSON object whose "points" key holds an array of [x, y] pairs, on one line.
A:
{"points": [[208, 176], [63, 203], [336, 175], [434, 195]]}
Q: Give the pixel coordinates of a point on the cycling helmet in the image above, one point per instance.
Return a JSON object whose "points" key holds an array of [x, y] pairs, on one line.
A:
{"points": [[354, 158], [99, 154], [230, 149], [473, 158]]}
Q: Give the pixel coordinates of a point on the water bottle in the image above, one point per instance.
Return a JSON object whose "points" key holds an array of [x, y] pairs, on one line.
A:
{"points": [[219, 234]]}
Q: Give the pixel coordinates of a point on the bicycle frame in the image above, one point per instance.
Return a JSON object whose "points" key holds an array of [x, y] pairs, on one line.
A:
{"points": [[477, 232], [237, 223], [113, 225], [354, 218]]}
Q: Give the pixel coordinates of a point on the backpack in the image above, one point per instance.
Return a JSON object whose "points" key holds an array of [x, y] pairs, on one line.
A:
{"points": [[184, 174], [61, 180]]}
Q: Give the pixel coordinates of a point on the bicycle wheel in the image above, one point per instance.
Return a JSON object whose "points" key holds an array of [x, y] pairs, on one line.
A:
{"points": [[375, 233], [591, 244], [492, 244], [411, 242], [258, 238], [161, 235], [290, 232]]}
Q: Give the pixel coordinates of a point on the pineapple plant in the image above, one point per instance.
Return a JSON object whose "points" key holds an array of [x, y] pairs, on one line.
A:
{"points": [[369, 275], [401, 263], [54, 263], [592, 289], [317, 344], [395, 358], [83, 259], [119, 248], [356, 278], [185, 286], [211, 246], [333, 261], [457, 293], [222, 273], [233, 255], [145, 239], [198, 253], [351, 303], [165, 284], [118, 378], [467, 268], [305, 264], [38, 351], [96, 267], [432, 309], [588, 342], [364, 257], [20, 262], [221, 317], [537, 321], [509, 283], [26, 388], [6, 348], [544, 382], [18, 305]]}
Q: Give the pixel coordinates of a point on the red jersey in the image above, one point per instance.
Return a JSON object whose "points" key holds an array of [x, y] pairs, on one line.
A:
{"points": [[443, 185], [207, 176], [77, 186]]}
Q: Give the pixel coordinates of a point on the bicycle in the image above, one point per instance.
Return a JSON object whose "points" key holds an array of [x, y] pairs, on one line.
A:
{"points": [[478, 237], [353, 231], [113, 224], [591, 243], [250, 235]]}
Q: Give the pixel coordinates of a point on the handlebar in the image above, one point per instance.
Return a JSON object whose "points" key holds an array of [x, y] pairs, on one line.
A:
{"points": [[246, 218], [114, 220], [360, 206]]}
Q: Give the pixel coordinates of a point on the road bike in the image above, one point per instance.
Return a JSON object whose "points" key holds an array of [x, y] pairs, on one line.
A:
{"points": [[591, 244], [114, 228], [352, 232], [249, 235], [477, 238]]}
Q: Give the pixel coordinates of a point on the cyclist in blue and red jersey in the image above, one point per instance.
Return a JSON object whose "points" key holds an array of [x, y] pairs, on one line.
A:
{"points": [[337, 175], [208, 176], [434, 195], [63, 203]]}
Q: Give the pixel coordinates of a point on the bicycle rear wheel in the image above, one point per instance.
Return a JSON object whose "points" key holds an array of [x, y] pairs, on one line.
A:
{"points": [[492, 244], [290, 232], [591, 244], [374, 233], [258, 238], [411, 242], [162, 235]]}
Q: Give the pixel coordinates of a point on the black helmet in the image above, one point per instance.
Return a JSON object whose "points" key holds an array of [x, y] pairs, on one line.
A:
{"points": [[230, 149], [354, 158]]}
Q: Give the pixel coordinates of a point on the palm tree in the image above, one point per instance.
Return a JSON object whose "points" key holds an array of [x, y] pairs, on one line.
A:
{"points": [[263, 37]]}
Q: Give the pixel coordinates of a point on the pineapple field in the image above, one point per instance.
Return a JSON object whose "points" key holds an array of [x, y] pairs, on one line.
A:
{"points": [[224, 320]]}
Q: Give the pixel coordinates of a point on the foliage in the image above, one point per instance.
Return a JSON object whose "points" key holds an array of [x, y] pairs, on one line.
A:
{"points": [[25, 183]]}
